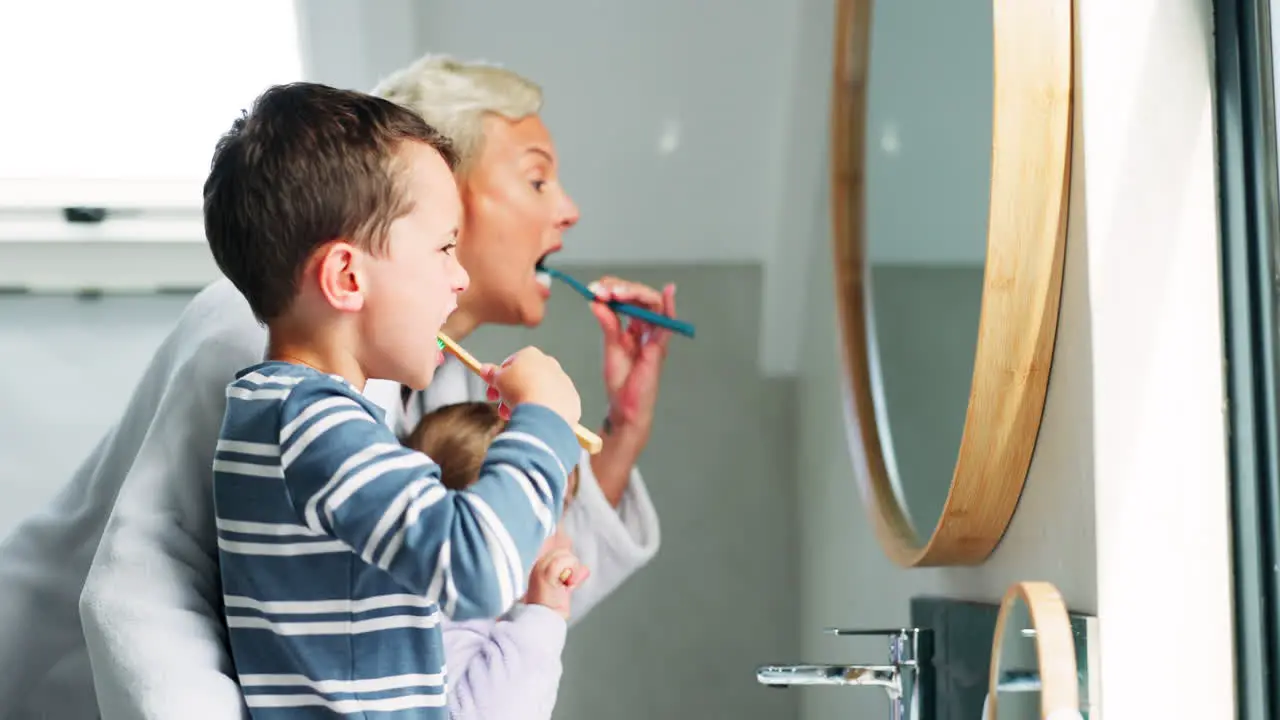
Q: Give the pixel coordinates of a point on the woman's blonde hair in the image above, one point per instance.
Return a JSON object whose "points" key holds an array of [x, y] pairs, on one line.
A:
{"points": [[454, 96], [457, 438]]}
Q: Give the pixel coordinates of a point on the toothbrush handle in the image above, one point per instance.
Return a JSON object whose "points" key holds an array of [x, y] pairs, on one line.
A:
{"points": [[589, 441], [622, 308], [653, 318]]}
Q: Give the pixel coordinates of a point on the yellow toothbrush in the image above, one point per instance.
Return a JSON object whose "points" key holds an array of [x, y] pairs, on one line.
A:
{"points": [[589, 441]]}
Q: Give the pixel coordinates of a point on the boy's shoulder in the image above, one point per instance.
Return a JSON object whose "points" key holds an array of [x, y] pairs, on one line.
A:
{"points": [[285, 376], [282, 387], [272, 401]]}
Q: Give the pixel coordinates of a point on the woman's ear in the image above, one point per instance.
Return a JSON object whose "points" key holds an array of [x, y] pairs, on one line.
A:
{"points": [[340, 276]]}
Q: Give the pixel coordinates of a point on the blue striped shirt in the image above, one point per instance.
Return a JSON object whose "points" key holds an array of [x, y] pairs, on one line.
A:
{"points": [[338, 546]]}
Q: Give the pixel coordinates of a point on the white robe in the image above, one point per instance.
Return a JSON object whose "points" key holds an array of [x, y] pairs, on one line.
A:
{"points": [[128, 547]]}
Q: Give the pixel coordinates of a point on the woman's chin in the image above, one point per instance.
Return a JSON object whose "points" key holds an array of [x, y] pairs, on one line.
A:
{"points": [[529, 312], [534, 313]]}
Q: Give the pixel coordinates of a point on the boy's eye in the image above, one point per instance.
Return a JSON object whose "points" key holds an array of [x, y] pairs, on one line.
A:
{"points": [[538, 184], [448, 249]]}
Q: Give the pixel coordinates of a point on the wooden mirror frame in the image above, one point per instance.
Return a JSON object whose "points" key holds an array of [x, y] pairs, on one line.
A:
{"points": [[1022, 281], [1055, 650]]}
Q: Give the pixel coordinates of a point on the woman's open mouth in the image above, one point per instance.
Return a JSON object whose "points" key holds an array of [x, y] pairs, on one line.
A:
{"points": [[540, 274]]}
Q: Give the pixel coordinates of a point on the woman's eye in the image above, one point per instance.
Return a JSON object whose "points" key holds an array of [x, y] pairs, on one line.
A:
{"points": [[538, 184]]}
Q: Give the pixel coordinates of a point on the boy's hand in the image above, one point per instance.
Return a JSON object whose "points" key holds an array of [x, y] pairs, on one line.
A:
{"points": [[555, 575], [532, 376]]}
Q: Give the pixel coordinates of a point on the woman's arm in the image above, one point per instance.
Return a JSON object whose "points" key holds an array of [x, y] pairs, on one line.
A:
{"points": [[149, 606], [614, 542]]}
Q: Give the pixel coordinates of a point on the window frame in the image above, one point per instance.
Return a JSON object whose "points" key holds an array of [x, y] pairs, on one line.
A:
{"points": [[152, 235], [1249, 216]]}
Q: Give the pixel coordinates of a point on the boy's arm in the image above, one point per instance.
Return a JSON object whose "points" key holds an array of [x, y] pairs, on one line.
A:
{"points": [[349, 478], [507, 669]]}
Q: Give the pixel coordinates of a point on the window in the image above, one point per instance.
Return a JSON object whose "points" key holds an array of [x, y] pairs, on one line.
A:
{"points": [[112, 110]]}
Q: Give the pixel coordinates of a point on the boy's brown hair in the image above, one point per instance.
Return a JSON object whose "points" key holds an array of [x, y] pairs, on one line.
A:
{"points": [[458, 436], [309, 164]]}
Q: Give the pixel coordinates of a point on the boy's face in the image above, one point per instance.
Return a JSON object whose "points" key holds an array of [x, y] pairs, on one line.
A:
{"points": [[414, 285]]}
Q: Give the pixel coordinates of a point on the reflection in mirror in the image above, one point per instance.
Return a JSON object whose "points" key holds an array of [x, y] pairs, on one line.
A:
{"points": [[950, 168], [1018, 678], [1042, 663], [928, 179]]}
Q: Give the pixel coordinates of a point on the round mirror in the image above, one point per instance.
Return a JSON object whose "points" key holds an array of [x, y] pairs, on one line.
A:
{"points": [[1033, 658], [950, 157], [928, 180]]}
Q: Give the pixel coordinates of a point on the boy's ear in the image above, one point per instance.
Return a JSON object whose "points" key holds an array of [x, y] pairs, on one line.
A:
{"points": [[340, 276]]}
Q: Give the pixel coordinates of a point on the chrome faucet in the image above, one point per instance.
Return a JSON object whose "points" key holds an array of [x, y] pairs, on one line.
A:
{"points": [[909, 648]]}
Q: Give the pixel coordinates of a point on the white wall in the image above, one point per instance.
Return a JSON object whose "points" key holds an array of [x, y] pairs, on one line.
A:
{"points": [[1125, 506], [668, 115], [352, 45], [71, 364], [1163, 564]]}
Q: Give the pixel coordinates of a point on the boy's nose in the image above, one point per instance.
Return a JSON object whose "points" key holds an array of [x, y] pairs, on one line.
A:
{"points": [[461, 279]]}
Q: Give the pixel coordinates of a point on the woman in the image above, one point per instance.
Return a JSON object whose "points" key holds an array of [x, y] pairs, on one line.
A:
{"points": [[515, 212], [132, 537]]}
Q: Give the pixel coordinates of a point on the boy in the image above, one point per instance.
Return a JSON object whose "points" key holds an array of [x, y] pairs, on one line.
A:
{"points": [[335, 214], [507, 669]]}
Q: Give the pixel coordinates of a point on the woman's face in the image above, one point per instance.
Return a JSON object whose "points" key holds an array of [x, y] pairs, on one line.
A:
{"points": [[514, 214]]}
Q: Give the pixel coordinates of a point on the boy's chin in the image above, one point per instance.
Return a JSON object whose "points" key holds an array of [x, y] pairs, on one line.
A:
{"points": [[422, 381], [418, 381]]}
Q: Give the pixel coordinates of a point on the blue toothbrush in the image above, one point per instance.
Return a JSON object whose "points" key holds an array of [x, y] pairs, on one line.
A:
{"points": [[635, 311]]}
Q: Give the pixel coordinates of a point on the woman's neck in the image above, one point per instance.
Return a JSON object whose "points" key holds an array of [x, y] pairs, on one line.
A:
{"points": [[460, 324]]}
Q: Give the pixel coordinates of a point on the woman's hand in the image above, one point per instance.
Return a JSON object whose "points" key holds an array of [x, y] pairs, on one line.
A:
{"points": [[634, 355]]}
